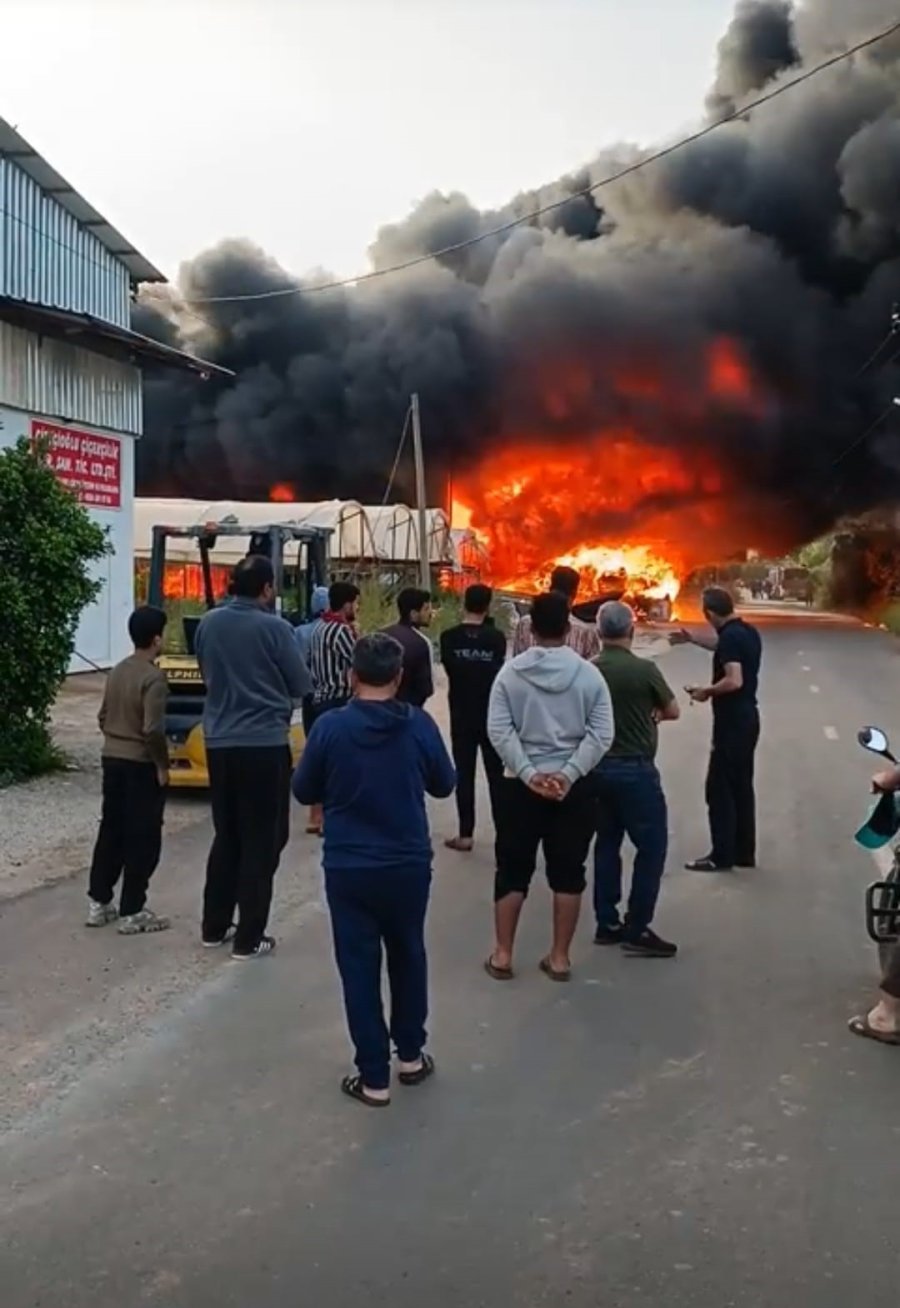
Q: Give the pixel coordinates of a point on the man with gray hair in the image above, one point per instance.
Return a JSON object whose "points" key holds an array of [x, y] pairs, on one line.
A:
{"points": [[631, 798]]}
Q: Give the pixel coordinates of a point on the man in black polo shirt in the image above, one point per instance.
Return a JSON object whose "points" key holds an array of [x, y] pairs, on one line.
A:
{"points": [[473, 654], [730, 798]]}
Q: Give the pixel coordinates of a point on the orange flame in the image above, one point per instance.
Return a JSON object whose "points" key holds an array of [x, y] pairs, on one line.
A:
{"points": [[631, 513], [282, 493]]}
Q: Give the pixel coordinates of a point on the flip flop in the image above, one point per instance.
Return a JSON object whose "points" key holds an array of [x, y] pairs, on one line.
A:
{"points": [[860, 1026], [352, 1087], [552, 973], [421, 1074], [497, 973]]}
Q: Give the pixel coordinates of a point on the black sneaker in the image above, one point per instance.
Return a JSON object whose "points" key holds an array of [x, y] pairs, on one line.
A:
{"points": [[648, 945], [608, 935], [707, 865], [265, 946], [216, 942]]}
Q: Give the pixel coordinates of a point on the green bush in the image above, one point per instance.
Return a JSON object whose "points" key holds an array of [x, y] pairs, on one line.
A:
{"points": [[47, 543]]}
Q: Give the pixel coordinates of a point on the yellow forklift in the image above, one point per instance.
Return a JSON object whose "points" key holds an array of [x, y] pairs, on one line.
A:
{"points": [[300, 561]]}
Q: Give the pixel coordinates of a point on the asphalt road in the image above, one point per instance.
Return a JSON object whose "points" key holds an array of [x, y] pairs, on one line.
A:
{"points": [[698, 1132]]}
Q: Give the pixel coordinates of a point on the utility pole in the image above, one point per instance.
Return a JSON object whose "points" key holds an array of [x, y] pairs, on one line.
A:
{"points": [[424, 551]]}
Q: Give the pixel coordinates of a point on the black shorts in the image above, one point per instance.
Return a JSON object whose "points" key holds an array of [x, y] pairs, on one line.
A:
{"points": [[317, 711], [527, 823]]}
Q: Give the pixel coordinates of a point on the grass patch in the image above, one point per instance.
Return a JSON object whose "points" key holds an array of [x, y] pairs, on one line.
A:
{"points": [[377, 609], [44, 757]]}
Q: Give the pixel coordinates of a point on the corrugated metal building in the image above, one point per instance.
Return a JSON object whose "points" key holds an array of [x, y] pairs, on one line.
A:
{"points": [[70, 365]]}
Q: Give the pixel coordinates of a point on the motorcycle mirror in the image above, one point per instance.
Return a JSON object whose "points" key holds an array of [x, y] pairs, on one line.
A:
{"points": [[875, 740]]}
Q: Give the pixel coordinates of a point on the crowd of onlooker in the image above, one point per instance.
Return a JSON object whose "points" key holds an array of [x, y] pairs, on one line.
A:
{"points": [[565, 723]]}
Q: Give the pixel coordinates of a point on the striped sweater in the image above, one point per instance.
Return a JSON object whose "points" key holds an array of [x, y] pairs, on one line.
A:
{"points": [[330, 659]]}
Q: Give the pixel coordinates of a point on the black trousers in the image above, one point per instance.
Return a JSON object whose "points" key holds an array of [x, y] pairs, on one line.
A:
{"points": [[250, 790], [129, 842], [466, 739], [730, 795]]}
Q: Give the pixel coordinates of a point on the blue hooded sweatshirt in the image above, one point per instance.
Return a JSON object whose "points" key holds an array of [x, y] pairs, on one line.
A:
{"points": [[371, 765], [304, 633]]}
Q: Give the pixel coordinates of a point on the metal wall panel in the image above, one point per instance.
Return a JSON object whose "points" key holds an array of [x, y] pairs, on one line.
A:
{"points": [[47, 258], [57, 380]]}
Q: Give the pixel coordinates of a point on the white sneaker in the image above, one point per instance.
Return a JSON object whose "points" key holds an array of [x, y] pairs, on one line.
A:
{"points": [[138, 924], [100, 915]]}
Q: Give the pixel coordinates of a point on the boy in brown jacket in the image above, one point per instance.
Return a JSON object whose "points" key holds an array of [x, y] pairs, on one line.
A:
{"points": [[135, 775]]}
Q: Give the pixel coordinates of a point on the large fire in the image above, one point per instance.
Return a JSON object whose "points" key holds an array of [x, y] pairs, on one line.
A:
{"points": [[632, 514]]}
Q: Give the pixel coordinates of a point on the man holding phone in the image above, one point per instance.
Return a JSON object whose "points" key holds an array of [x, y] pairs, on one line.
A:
{"points": [[730, 796]]}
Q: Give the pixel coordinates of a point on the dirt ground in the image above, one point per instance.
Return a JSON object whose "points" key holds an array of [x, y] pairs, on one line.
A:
{"points": [[49, 825]]}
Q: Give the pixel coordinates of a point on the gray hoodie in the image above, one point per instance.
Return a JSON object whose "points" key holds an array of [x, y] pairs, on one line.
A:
{"points": [[254, 676], [550, 711]]}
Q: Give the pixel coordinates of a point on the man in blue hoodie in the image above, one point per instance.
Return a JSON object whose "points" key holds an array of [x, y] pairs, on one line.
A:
{"points": [[371, 765], [550, 719]]}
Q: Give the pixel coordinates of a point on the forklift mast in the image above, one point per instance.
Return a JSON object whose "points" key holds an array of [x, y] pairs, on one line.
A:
{"points": [[269, 541]]}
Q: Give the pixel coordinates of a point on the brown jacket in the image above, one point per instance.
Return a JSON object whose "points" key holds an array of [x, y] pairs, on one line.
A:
{"points": [[133, 713]]}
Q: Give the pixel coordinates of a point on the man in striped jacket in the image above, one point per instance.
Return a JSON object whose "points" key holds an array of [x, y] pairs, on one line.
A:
{"points": [[331, 650]]}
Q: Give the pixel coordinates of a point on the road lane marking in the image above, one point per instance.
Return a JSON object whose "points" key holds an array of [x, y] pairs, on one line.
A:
{"points": [[831, 733], [814, 690], [806, 669]]}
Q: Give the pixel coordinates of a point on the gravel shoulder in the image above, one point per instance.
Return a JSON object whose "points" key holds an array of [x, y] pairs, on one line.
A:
{"points": [[48, 825]]}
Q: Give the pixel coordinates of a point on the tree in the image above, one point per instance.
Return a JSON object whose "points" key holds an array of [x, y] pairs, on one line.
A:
{"points": [[47, 545]]}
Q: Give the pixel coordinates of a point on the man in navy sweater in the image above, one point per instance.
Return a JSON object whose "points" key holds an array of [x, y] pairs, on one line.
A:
{"points": [[371, 765]]}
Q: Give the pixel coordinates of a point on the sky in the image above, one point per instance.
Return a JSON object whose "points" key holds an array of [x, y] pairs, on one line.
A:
{"points": [[306, 126]]}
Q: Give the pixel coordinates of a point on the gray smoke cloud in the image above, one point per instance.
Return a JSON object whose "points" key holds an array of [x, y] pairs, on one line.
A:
{"points": [[758, 45], [781, 231]]}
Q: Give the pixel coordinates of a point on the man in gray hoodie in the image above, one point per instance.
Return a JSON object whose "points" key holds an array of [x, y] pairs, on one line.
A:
{"points": [[551, 721]]}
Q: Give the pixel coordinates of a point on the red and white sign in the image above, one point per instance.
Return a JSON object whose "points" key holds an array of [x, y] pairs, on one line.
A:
{"points": [[88, 465]]}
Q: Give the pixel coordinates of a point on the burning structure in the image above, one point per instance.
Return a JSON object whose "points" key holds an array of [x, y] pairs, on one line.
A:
{"points": [[645, 378]]}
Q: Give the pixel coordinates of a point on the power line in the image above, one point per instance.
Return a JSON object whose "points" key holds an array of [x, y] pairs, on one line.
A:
{"points": [[891, 333], [664, 153], [864, 436], [874, 355]]}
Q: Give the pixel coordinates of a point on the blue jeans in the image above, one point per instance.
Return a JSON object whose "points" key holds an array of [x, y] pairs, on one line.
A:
{"points": [[373, 908], [632, 804]]}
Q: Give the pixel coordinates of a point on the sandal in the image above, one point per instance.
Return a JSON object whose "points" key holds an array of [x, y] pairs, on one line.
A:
{"points": [[552, 973], [861, 1026], [352, 1087], [460, 845], [421, 1074], [497, 973]]}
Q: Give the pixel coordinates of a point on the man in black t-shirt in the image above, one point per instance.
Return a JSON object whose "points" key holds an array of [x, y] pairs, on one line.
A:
{"points": [[472, 654], [730, 797]]}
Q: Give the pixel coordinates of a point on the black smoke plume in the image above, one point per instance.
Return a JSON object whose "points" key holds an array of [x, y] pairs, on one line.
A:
{"points": [[780, 230]]}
